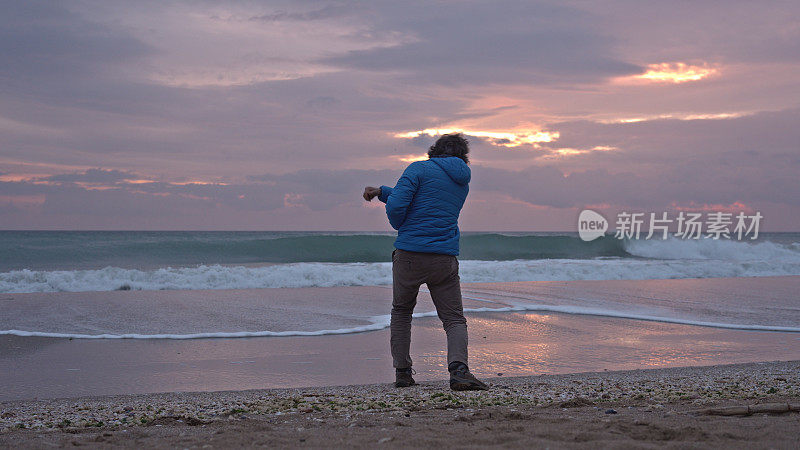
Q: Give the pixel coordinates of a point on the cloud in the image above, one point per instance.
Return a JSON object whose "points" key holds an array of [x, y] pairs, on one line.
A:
{"points": [[489, 43], [21, 188], [326, 189], [752, 159], [326, 12], [749, 160], [42, 42], [498, 138], [85, 87], [678, 72], [673, 140], [737, 32], [103, 192], [323, 101], [93, 176]]}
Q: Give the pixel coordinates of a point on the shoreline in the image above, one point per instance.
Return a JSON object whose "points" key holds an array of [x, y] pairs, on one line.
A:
{"points": [[298, 311], [647, 405], [514, 344]]}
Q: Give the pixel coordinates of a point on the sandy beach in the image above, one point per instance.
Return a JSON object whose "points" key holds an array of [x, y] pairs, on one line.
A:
{"points": [[641, 408]]}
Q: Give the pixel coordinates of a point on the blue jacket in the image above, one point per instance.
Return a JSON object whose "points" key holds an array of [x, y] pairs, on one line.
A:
{"points": [[425, 204]]}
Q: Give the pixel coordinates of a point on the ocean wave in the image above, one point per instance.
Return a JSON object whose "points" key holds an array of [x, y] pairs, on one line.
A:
{"points": [[382, 322], [370, 274], [68, 251], [94, 250], [708, 249]]}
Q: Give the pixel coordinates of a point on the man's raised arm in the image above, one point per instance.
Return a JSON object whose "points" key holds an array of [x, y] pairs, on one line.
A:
{"points": [[399, 198]]}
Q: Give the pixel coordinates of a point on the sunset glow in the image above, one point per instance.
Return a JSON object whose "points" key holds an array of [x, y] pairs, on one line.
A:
{"points": [[16, 177], [504, 139], [561, 152], [412, 158], [139, 181], [676, 116], [201, 182], [677, 72]]}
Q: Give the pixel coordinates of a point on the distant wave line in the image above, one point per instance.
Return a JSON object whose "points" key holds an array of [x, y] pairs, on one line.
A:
{"points": [[382, 322]]}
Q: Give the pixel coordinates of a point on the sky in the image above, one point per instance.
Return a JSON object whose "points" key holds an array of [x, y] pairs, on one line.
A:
{"points": [[274, 115]]}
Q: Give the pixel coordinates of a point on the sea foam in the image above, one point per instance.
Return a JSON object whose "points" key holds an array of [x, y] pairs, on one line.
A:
{"points": [[650, 259]]}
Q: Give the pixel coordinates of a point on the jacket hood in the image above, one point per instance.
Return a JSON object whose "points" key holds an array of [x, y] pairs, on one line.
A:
{"points": [[455, 168]]}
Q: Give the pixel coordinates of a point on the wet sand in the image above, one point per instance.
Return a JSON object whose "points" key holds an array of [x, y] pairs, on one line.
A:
{"points": [[633, 409], [179, 312], [509, 343]]}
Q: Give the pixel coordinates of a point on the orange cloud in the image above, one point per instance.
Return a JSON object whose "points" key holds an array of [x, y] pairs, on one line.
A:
{"points": [[501, 138], [184, 183], [16, 177], [139, 181], [411, 158], [675, 72], [566, 151], [678, 116]]}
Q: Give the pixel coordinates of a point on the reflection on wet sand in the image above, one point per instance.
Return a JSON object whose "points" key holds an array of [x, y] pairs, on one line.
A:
{"points": [[508, 343]]}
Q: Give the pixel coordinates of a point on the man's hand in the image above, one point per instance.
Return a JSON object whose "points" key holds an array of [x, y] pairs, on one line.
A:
{"points": [[371, 192]]}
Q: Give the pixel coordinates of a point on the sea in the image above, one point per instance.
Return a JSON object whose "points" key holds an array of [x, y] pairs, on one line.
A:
{"points": [[77, 261], [92, 261]]}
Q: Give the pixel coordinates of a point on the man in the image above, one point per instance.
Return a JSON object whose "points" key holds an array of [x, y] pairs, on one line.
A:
{"points": [[424, 207]]}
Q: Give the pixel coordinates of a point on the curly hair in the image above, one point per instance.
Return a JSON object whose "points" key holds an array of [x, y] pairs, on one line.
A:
{"points": [[453, 144]]}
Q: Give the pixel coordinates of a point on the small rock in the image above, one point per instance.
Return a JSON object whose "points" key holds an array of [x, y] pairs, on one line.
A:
{"points": [[384, 440], [611, 411]]}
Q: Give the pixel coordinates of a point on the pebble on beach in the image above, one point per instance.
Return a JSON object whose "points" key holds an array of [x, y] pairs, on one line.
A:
{"points": [[648, 388]]}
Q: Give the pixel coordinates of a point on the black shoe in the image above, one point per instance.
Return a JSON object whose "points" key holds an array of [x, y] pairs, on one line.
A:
{"points": [[403, 378], [462, 380]]}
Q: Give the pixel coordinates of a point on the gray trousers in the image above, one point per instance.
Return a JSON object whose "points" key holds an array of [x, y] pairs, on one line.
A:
{"points": [[440, 273]]}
